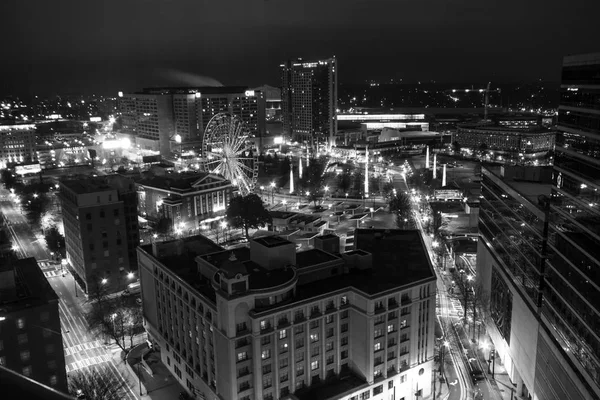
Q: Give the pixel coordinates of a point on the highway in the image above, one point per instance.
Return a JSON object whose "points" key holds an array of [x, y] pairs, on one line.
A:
{"points": [[83, 349]]}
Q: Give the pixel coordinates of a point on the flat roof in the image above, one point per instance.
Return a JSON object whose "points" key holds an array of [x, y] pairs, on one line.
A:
{"points": [[282, 214], [32, 287], [312, 257], [332, 389], [87, 185], [399, 259], [184, 265], [271, 241], [531, 190]]}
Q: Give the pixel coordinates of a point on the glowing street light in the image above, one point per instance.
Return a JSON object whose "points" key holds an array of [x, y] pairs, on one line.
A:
{"points": [[435, 244], [35, 195], [104, 281], [130, 275]]}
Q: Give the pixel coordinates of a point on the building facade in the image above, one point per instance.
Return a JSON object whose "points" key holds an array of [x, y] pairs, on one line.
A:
{"points": [[157, 116], [31, 342], [17, 144], [309, 98], [506, 143], [101, 230], [265, 322], [572, 296], [189, 200], [529, 263]]}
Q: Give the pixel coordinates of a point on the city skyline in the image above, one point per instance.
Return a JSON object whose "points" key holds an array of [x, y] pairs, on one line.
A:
{"points": [[109, 48]]}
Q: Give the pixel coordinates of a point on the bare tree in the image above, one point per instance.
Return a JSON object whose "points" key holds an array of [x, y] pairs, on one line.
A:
{"points": [[135, 323], [98, 384], [110, 320], [473, 298]]}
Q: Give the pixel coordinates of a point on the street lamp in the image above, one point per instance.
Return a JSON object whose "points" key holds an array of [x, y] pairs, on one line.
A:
{"points": [[326, 188], [104, 281], [284, 202]]}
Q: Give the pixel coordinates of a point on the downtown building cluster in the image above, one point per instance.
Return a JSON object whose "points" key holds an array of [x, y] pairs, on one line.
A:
{"points": [[266, 322], [159, 118], [538, 253]]}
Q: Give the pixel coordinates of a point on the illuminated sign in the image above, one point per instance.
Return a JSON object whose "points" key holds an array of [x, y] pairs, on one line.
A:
{"points": [[95, 119], [278, 140], [198, 95], [115, 144], [249, 93], [120, 94], [28, 169], [53, 116]]}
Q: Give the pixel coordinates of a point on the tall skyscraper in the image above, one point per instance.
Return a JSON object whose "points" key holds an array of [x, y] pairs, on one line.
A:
{"points": [[31, 341], [572, 289], [539, 258], [101, 230], [309, 100], [265, 321]]}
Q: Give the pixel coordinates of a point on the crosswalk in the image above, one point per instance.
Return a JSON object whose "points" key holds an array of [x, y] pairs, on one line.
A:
{"points": [[88, 362], [81, 347], [52, 273]]}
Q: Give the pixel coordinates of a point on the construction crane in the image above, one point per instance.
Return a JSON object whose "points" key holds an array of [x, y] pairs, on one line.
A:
{"points": [[486, 98]]}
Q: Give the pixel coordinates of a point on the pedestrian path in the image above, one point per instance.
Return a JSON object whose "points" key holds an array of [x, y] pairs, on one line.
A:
{"points": [[52, 273], [88, 362], [81, 347]]}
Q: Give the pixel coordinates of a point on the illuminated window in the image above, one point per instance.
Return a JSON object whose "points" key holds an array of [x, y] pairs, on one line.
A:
{"points": [[27, 371], [314, 365], [377, 346], [21, 323], [25, 356]]}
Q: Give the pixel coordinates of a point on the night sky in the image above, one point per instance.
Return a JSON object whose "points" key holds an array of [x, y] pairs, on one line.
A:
{"points": [[102, 46]]}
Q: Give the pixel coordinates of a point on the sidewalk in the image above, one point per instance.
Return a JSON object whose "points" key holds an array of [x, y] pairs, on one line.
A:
{"points": [[157, 382]]}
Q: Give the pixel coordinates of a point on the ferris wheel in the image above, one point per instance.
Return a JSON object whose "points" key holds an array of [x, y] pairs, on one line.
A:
{"points": [[227, 151]]}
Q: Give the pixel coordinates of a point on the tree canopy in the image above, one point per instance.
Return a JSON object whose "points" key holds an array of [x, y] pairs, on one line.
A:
{"points": [[99, 384], [401, 207], [247, 212]]}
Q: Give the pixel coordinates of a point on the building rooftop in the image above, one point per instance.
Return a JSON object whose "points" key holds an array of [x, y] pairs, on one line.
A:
{"points": [[180, 181], [486, 126], [530, 190], [193, 90], [271, 241], [332, 389], [184, 264], [312, 257], [87, 185], [31, 288], [237, 261], [27, 388], [399, 259], [282, 214]]}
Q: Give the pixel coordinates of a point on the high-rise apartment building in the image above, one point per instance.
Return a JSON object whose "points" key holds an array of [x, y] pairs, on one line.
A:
{"points": [[31, 342], [538, 256], [17, 144], [309, 100], [155, 116], [101, 230], [264, 322]]}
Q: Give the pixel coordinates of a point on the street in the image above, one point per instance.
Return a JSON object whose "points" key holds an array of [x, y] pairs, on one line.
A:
{"points": [[83, 349]]}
